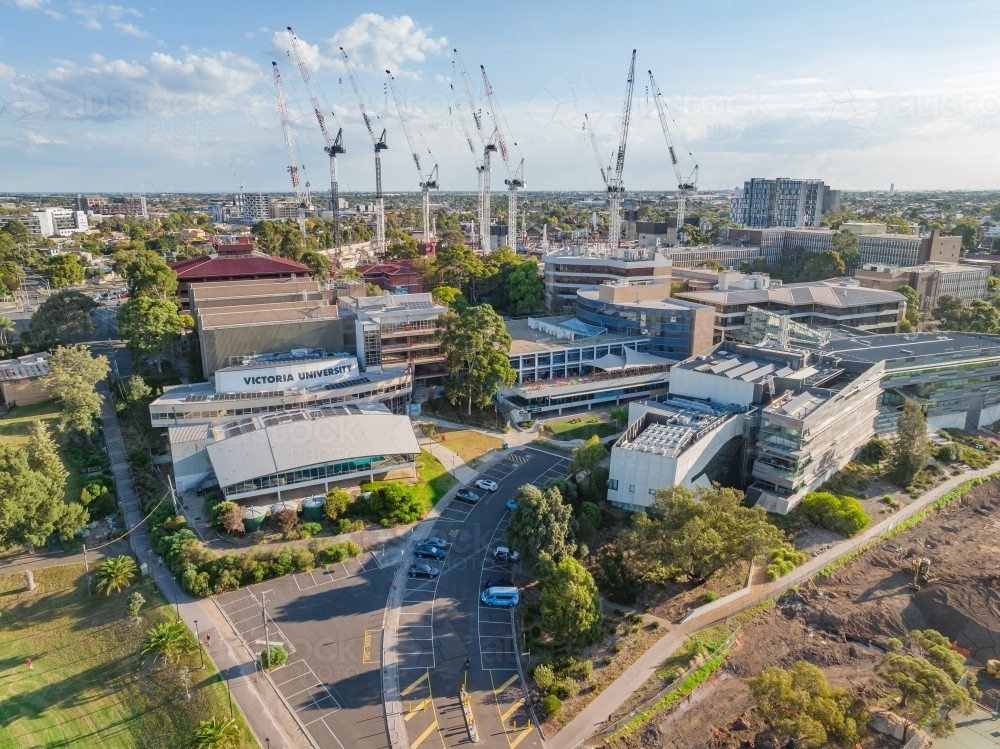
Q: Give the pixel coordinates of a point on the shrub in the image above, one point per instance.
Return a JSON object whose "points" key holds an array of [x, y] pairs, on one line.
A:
{"points": [[273, 657], [336, 503], [616, 648], [311, 529], [839, 514], [875, 450], [551, 706], [391, 503], [708, 596], [588, 521], [284, 520], [346, 525], [784, 559], [138, 458], [195, 582], [566, 689], [545, 677], [894, 644], [228, 517], [949, 453]]}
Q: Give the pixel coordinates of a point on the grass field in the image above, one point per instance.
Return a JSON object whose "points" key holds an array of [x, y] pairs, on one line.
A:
{"points": [[90, 686], [468, 443], [14, 431], [435, 481], [580, 427]]}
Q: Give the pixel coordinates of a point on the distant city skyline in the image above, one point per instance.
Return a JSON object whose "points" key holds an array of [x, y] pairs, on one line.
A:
{"points": [[97, 97]]}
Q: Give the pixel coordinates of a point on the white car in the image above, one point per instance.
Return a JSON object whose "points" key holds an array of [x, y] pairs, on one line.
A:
{"points": [[487, 486], [503, 554]]}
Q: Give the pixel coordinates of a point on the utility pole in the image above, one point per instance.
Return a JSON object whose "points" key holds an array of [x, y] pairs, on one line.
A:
{"points": [[267, 642]]}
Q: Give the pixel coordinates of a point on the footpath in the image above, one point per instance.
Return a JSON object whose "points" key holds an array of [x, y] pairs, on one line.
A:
{"points": [[595, 715]]}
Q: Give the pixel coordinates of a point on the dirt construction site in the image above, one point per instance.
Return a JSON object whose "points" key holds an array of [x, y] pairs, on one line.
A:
{"points": [[842, 623]]}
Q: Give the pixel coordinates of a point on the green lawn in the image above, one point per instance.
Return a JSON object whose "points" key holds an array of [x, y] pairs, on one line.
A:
{"points": [[14, 431], [90, 686], [468, 443], [580, 427], [435, 481]]}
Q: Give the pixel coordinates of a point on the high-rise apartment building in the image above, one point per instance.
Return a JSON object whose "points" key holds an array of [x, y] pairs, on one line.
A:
{"points": [[779, 202]]}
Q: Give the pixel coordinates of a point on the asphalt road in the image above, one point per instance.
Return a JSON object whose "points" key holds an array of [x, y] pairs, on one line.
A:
{"points": [[442, 623]]}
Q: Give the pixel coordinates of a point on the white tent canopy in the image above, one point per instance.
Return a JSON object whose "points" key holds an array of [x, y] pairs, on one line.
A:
{"points": [[635, 358], [609, 362]]}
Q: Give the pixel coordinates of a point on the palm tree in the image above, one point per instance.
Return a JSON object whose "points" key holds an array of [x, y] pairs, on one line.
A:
{"points": [[168, 640], [217, 734], [115, 573], [6, 326]]}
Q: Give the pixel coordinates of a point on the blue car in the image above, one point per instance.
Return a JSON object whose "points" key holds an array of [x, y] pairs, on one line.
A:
{"points": [[511, 504], [426, 551]]}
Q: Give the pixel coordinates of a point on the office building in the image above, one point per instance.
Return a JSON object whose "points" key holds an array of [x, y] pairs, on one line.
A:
{"points": [[569, 270], [819, 303], [564, 364], [116, 205], [235, 266], [393, 276], [295, 454], [779, 202], [31, 223], [728, 255], [652, 234], [931, 281]]}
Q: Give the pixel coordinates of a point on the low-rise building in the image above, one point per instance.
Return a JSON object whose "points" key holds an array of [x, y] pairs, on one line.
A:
{"points": [[22, 380], [393, 276], [726, 254], [931, 281], [235, 266], [587, 267]]}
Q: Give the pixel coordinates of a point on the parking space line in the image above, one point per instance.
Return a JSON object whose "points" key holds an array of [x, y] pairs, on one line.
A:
{"points": [[520, 737], [513, 709], [506, 684], [414, 685], [418, 709], [420, 739]]}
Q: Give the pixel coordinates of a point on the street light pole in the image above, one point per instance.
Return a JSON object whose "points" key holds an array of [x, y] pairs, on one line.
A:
{"points": [[263, 616], [197, 636]]}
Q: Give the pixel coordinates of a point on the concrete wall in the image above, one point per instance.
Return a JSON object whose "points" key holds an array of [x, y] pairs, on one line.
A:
{"points": [[702, 330], [190, 463], [218, 344], [24, 392], [704, 385]]}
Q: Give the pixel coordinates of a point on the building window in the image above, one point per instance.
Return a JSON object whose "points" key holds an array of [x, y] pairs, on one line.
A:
{"points": [[631, 488], [613, 484], [652, 491]]}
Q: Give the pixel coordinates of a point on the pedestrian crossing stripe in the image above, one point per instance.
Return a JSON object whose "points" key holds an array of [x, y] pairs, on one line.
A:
{"points": [[519, 458]]}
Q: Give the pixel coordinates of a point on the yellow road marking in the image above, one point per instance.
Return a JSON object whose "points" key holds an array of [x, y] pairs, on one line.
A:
{"points": [[511, 711], [506, 684], [366, 652], [414, 685], [417, 709], [424, 735], [521, 736]]}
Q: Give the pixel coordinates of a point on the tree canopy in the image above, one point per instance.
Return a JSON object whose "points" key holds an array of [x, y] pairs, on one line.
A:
{"points": [[921, 688], [73, 376], [525, 291], [147, 274], [319, 265], [148, 325], [476, 345], [539, 528], [570, 606], [912, 317], [63, 270], [977, 317], [910, 450], [63, 317]]}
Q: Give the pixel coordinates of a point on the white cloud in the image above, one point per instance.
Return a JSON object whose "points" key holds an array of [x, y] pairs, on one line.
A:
{"points": [[91, 16], [315, 60], [96, 58], [130, 29], [30, 4], [249, 35], [38, 140], [375, 43], [55, 14]]}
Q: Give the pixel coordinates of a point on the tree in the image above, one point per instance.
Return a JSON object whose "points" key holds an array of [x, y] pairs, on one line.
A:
{"points": [[230, 517], [63, 270], [136, 389], [401, 246], [619, 415], [476, 347], [823, 265], [540, 525], [937, 650], [17, 231], [293, 243], [451, 297], [898, 225], [319, 265], [337, 501], [950, 312], [217, 733], [912, 316], [524, 289], [922, 688], [800, 704], [147, 275], [43, 456], [587, 458], [454, 263], [6, 328], [168, 641], [910, 449], [570, 606], [115, 573], [63, 317], [845, 244], [148, 325], [31, 503], [135, 603], [73, 377], [697, 533], [980, 317], [968, 230]]}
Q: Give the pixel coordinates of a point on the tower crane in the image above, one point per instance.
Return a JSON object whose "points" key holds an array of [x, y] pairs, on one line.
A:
{"points": [[475, 157], [380, 145], [333, 146], [241, 199], [293, 169], [489, 146], [428, 182], [515, 179], [614, 177], [684, 187]]}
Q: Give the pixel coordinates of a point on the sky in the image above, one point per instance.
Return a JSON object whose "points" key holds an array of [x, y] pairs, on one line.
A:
{"points": [[179, 97]]}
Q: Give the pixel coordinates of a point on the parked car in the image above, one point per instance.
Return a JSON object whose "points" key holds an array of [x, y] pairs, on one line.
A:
{"points": [[436, 541], [424, 570], [487, 486], [498, 582], [511, 504], [467, 495], [503, 554], [501, 596], [426, 551]]}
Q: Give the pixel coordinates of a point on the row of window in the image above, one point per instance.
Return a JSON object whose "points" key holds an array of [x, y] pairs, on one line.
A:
{"points": [[315, 474]]}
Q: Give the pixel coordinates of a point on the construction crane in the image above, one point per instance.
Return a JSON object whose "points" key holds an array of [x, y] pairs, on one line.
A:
{"points": [[333, 146], [614, 176], [380, 145], [597, 154], [475, 156], [515, 179], [687, 186], [241, 199], [428, 182], [489, 147], [293, 169]]}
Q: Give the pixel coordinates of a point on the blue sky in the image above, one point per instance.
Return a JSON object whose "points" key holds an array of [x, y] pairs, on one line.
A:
{"points": [[165, 97]]}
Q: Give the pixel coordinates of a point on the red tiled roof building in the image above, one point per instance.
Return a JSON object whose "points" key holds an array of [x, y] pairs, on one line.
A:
{"points": [[239, 267], [394, 276]]}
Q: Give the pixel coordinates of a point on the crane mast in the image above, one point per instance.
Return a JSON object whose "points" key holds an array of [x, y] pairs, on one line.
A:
{"points": [[515, 179], [615, 187], [684, 187], [475, 157], [333, 146], [489, 146], [428, 182], [380, 145], [286, 128]]}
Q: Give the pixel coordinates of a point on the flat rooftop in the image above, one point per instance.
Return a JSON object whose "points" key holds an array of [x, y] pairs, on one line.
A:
{"points": [[825, 293], [756, 368], [875, 348], [796, 405], [675, 426], [528, 340], [666, 304]]}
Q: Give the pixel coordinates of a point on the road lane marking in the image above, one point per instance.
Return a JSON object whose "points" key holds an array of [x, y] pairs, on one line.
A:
{"points": [[520, 737], [424, 735], [414, 685], [513, 709], [506, 684]]}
